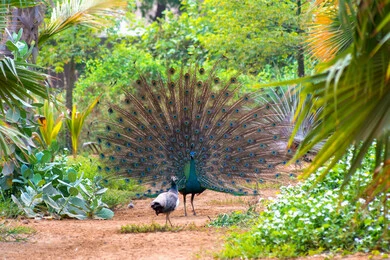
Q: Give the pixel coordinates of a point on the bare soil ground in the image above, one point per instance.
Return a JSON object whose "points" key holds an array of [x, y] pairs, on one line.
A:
{"points": [[101, 239]]}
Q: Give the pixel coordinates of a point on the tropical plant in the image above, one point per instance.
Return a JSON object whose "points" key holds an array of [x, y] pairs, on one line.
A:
{"points": [[55, 188], [21, 83], [92, 13], [354, 90], [75, 123], [67, 52], [49, 127], [18, 82]]}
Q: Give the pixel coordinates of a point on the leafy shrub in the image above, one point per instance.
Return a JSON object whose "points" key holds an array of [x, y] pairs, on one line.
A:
{"points": [[115, 197], [119, 191], [87, 166], [314, 217], [113, 71], [54, 188]]}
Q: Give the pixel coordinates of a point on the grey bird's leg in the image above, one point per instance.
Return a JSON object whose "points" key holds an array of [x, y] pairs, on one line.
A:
{"points": [[167, 219], [184, 200], [192, 203]]}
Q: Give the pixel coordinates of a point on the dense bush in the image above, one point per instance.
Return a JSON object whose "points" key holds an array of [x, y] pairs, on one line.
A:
{"points": [[51, 187], [315, 217], [119, 190]]}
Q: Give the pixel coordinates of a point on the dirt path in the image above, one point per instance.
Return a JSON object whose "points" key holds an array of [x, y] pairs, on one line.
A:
{"points": [[101, 239]]}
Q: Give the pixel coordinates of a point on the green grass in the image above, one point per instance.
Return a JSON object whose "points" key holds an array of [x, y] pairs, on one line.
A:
{"points": [[10, 233], [229, 201], [235, 219], [155, 227], [8, 209]]}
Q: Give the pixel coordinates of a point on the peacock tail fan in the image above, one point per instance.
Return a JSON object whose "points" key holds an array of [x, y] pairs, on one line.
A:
{"points": [[235, 142]]}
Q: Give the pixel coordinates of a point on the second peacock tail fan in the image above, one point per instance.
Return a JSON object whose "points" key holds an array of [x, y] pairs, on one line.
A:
{"points": [[192, 122]]}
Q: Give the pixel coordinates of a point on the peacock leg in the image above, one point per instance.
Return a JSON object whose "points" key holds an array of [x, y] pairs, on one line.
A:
{"points": [[192, 203], [167, 219], [184, 200]]}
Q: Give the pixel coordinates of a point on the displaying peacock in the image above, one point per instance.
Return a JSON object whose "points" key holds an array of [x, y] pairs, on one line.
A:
{"points": [[196, 127]]}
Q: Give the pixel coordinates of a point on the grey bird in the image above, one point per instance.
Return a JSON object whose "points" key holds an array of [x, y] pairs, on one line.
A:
{"points": [[167, 202]]}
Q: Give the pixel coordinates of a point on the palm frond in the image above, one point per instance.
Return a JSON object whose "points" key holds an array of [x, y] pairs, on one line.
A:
{"points": [[18, 82], [10, 135], [354, 91], [330, 33], [93, 13]]}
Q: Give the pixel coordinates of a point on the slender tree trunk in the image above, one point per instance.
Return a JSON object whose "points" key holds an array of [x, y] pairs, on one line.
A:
{"points": [[301, 62], [161, 6], [300, 52], [69, 81]]}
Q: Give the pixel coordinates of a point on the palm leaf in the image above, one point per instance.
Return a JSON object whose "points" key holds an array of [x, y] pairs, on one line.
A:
{"points": [[10, 135], [93, 13], [329, 35], [354, 90], [49, 126], [75, 123], [17, 82]]}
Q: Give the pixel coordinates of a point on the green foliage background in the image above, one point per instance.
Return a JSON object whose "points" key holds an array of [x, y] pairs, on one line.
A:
{"points": [[312, 218]]}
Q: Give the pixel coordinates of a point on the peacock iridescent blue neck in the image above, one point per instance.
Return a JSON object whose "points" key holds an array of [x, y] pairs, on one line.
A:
{"points": [[192, 184]]}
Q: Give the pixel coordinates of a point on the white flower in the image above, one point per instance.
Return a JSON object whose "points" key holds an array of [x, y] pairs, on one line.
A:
{"points": [[344, 203]]}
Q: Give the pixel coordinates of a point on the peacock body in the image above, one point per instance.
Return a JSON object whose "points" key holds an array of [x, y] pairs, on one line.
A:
{"points": [[166, 202], [201, 130]]}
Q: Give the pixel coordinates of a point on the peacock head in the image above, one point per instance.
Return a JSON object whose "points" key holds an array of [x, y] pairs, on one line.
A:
{"points": [[173, 181], [192, 155]]}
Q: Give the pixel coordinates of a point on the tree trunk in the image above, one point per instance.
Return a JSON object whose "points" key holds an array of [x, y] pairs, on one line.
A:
{"points": [[69, 81], [300, 52], [161, 6], [301, 62]]}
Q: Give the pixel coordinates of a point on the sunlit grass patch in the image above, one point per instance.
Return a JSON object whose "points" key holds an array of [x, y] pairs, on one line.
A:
{"points": [[155, 227], [237, 218], [9, 233], [228, 201]]}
